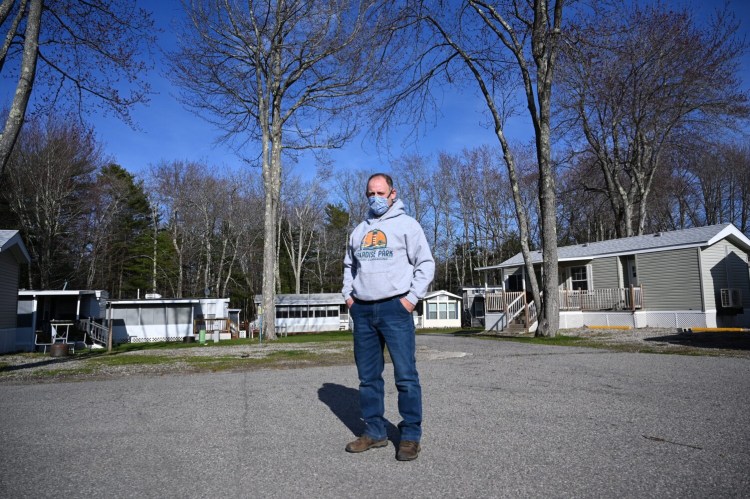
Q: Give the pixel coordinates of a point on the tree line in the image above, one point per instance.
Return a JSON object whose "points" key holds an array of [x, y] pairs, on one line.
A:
{"points": [[185, 229]]}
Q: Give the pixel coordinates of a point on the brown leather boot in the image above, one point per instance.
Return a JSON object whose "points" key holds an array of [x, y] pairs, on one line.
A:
{"points": [[408, 450], [364, 443]]}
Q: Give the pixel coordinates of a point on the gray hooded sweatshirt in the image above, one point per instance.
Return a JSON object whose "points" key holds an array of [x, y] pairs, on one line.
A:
{"points": [[388, 256]]}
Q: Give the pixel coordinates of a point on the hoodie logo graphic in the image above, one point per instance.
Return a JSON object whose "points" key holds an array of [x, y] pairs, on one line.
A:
{"points": [[374, 246], [374, 239]]}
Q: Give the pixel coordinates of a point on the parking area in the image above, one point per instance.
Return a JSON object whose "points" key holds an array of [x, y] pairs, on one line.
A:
{"points": [[501, 420]]}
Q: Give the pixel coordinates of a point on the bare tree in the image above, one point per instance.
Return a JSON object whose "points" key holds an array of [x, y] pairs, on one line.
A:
{"points": [[173, 185], [49, 175], [711, 183], [73, 55], [350, 185], [284, 75], [637, 76], [412, 178], [302, 217], [496, 44], [330, 237]]}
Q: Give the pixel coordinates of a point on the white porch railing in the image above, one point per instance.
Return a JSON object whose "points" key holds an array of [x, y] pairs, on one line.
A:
{"points": [[510, 304], [602, 299], [498, 301]]}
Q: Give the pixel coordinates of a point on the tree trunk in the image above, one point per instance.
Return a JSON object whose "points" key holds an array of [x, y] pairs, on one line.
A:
{"points": [[17, 111]]}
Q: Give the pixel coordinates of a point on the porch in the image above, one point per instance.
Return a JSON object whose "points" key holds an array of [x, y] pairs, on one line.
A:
{"points": [[514, 310], [625, 299]]}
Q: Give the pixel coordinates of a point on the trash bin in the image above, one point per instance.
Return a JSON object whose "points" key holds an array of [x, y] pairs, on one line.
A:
{"points": [[59, 350], [202, 336]]}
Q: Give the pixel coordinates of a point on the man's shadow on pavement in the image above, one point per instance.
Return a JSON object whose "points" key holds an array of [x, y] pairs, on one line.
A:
{"points": [[344, 403]]}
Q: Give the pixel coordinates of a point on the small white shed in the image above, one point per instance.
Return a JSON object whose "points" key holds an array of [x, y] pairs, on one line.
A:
{"points": [[441, 309]]}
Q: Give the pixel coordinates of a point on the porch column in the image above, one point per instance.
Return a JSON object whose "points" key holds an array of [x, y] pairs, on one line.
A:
{"points": [[33, 314], [525, 301]]}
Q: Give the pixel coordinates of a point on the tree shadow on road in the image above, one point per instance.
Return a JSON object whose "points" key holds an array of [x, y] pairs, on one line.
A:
{"points": [[719, 340], [344, 403]]}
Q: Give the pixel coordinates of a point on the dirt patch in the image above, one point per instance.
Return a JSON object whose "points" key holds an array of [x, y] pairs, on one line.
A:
{"points": [[95, 364]]}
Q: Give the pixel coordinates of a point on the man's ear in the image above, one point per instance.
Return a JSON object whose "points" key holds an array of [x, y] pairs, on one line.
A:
{"points": [[393, 193]]}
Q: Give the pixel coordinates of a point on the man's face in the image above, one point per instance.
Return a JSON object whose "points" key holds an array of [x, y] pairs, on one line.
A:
{"points": [[379, 187]]}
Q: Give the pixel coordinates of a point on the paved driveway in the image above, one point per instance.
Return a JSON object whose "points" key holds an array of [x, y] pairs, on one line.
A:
{"points": [[501, 420]]}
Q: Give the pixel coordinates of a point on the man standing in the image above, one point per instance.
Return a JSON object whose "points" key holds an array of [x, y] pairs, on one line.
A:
{"points": [[387, 269]]}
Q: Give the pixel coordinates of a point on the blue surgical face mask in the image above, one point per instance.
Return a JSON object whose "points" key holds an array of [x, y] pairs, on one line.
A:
{"points": [[378, 205]]}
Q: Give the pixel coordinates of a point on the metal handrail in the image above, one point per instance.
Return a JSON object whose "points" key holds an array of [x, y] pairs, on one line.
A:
{"points": [[97, 332]]}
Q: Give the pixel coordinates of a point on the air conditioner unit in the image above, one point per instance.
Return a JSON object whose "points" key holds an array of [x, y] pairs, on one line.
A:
{"points": [[731, 298]]}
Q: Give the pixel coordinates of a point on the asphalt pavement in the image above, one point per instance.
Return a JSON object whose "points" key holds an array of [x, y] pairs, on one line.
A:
{"points": [[501, 419]]}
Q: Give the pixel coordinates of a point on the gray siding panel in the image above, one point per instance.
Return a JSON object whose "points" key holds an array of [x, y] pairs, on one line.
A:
{"points": [[670, 279], [8, 290], [605, 273], [725, 266]]}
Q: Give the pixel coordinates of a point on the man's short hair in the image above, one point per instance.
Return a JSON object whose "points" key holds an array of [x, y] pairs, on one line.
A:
{"points": [[387, 178]]}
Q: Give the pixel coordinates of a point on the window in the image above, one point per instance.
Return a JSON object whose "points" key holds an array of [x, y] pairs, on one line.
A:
{"points": [[515, 282], [443, 308], [579, 278], [432, 312], [453, 310]]}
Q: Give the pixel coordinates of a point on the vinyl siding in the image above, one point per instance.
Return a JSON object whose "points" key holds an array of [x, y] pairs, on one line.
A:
{"points": [[605, 273], [8, 290], [724, 266], [670, 279]]}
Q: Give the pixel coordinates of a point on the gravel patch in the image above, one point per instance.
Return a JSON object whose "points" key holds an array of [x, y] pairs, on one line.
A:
{"points": [[39, 367]]}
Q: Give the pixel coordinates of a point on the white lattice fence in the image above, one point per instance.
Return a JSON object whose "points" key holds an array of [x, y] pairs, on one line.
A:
{"points": [[670, 319], [608, 319]]}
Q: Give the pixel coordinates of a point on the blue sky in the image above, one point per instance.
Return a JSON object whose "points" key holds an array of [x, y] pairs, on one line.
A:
{"points": [[168, 132]]}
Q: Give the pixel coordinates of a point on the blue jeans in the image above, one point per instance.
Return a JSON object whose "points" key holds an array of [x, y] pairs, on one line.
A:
{"points": [[379, 324]]}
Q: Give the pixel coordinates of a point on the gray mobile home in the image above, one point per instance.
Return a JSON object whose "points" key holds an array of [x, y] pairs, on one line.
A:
{"points": [[13, 254], [695, 277]]}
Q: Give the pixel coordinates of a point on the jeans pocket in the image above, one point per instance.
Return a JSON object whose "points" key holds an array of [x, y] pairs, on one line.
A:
{"points": [[402, 306]]}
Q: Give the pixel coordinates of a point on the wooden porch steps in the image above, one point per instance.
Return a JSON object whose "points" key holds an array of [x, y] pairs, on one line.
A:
{"points": [[515, 328]]}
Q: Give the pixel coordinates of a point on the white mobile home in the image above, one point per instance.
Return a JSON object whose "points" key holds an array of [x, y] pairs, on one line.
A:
{"points": [[308, 313], [167, 319]]}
